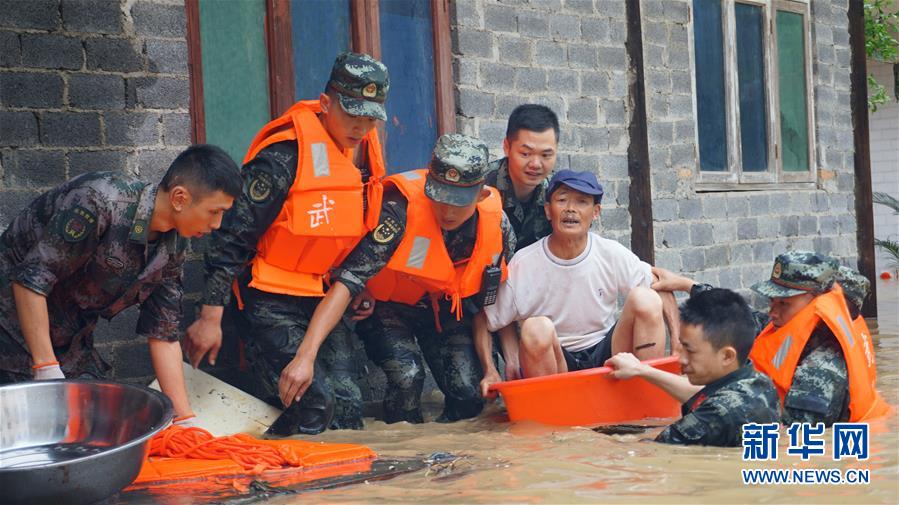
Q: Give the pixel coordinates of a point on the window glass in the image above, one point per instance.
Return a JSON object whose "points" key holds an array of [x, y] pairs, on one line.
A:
{"points": [[751, 86], [791, 85], [708, 43]]}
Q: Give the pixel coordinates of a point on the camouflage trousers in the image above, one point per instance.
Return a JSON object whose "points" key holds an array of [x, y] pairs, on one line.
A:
{"points": [[397, 336], [276, 327]]}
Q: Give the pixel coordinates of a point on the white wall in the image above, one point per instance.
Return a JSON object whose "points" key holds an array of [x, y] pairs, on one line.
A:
{"points": [[884, 125]]}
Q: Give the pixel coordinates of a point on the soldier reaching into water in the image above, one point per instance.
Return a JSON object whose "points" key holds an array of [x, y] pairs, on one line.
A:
{"points": [[96, 245], [441, 233], [717, 330], [820, 360], [306, 202]]}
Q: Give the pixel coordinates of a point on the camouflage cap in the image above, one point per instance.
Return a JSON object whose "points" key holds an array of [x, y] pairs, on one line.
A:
{"points": [[855, 285], [457, 169], [798, 272], [361, 83]]}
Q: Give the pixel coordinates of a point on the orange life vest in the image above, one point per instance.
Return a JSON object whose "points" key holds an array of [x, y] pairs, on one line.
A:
{"points": [[322, 219], [421, 263], [776, 352]]}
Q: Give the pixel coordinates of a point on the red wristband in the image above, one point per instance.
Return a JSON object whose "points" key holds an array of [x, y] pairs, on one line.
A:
{"points": [[45, 365]]}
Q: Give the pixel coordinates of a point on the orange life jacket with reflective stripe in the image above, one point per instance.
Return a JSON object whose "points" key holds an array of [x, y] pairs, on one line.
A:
{"points": [[322, 219], [776, 352], [421, 263]]}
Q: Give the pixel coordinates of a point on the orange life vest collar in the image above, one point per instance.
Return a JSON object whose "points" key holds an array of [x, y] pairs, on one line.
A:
{"points": [[776, 352], [322, 219], [421, 264]]}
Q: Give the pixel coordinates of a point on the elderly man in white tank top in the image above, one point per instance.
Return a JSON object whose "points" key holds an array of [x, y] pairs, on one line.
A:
{"points": [[563, 292]]}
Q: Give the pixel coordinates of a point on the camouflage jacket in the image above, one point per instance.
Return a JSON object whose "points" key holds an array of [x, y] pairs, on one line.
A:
{"points": [[85, 246], [715, 415], [270, 175], [373, 253], [820, 389], [528, 219]]}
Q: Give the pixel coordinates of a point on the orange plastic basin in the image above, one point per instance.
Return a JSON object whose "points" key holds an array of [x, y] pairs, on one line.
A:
{"points": [[588, 397]]}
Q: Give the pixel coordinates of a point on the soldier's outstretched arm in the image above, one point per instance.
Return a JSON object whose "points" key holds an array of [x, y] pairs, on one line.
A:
{"points": [[35, 323], [625, 366], [297, 375], [166, 357], [368, 258], [79, 218], [483, 343], [267, 179]]}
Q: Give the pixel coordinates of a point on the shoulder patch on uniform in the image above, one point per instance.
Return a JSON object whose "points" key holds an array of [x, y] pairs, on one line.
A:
{"points": [[259, 188], [386, 232], [77, 224]]}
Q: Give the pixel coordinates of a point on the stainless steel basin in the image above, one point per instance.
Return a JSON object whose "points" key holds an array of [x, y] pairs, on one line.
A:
{"points": [[73, 441]]}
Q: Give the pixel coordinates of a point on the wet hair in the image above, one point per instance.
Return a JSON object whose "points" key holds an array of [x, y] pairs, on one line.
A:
{"points": [[533, 117], [725, 318], [204, 168]]}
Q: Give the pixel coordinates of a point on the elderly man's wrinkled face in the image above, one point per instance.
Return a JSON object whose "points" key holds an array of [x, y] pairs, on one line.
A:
{"points": [[571, 212]]}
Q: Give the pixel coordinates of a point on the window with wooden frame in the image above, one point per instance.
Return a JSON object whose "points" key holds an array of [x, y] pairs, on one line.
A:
{"points": [[251, 60], [753, 94]]}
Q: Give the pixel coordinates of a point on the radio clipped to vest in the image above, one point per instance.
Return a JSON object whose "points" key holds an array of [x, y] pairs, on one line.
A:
{"points": [[493, 275]]}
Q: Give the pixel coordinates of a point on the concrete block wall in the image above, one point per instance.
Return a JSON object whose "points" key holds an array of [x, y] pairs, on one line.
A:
{"points": [[566, 54], [91, 85], [730, 238], [884, 127]]}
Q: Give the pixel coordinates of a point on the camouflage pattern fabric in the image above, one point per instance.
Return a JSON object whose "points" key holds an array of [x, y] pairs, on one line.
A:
{"points": [[374, 251], [528, 218], [456, 171], [361, 83], [820, 388], [85, 246], [798, 272], [396, 337], [233, 245], [278, 324], [855, 288], [715, 415]]}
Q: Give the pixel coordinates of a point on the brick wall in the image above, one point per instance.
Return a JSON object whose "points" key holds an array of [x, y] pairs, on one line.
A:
{"points": [[91, 85], [730, 238], [567, 55], [570, 55]]}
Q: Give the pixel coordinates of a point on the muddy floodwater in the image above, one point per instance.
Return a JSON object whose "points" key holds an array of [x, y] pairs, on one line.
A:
{"points": [[503, 462], [529, 463]]}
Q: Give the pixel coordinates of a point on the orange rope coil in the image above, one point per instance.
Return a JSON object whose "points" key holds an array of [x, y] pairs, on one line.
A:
{"points": [[255, 456]]}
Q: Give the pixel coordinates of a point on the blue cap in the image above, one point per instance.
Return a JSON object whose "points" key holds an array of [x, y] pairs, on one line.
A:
{"points": [[585, 182]]}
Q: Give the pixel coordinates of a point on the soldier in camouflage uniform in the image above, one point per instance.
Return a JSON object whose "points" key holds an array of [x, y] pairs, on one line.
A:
{"points": [[820, 388], [96, 245], [855, 289], [278, 323], [532, 138], [397, 335], [717, 332]]}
